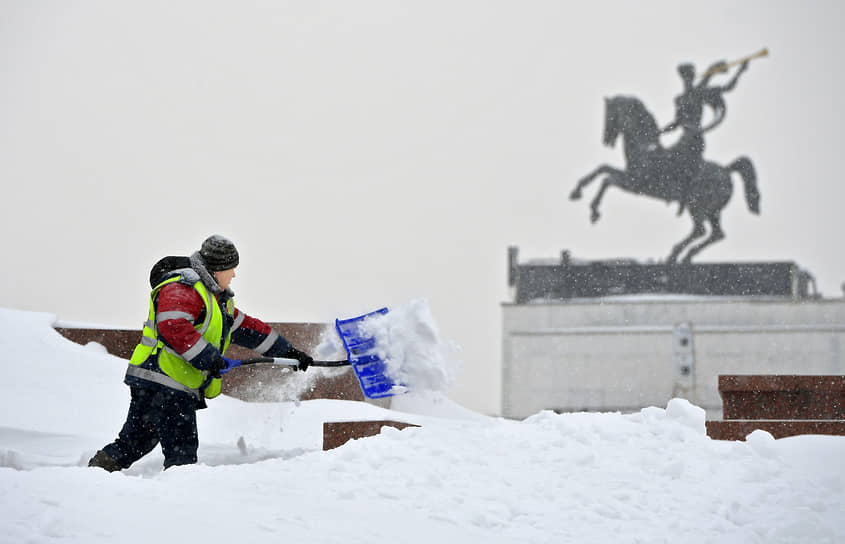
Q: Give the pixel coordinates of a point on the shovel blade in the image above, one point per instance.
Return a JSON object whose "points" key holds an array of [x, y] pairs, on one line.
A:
{"points": [[365, 356]]}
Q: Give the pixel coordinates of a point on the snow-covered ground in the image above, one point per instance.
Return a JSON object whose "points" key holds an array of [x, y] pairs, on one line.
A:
{"points": [[651, 476]]}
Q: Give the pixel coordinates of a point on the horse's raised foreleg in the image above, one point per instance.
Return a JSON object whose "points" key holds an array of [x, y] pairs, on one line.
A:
{"points": [[594, 205], [698, 231], [716, 234], [583, 182]]}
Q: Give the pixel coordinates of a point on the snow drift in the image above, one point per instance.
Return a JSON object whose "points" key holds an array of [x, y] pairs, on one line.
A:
{"points": [[650, 476]]}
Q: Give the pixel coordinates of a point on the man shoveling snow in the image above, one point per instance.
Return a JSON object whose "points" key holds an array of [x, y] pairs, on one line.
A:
{"points": [[179, 361]]}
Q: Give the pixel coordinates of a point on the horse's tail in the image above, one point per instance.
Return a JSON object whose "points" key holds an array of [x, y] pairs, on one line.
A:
{"points": [[745, 168]]}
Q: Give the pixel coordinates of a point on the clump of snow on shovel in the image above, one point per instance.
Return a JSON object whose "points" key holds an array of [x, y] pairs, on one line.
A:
{"points": [[409, 343]]}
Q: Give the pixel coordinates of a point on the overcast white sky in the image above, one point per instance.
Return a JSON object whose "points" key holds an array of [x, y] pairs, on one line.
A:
{"points": [[365, 153]]}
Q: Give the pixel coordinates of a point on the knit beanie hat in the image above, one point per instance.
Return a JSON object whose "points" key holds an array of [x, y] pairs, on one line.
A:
{"points": [[219, 253]]}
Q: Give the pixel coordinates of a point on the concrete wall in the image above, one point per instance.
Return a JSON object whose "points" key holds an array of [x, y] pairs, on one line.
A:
{"points": [[625, 354]]}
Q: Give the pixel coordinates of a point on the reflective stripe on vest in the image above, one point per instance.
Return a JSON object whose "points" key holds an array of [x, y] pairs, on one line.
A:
{"points": [[159, 378]]}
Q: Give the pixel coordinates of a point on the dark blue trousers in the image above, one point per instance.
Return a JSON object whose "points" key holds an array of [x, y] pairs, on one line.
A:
{"points": [[158, 416]]}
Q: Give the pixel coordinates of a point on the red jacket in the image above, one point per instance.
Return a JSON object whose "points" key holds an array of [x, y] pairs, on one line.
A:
{"points": [[180, 334]]}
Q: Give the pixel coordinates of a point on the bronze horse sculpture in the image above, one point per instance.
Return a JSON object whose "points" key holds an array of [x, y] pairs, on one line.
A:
{"points": [[664, 173]]}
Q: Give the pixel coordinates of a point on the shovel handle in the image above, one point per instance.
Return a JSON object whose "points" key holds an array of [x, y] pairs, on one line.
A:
{"points": [[290, 362]]}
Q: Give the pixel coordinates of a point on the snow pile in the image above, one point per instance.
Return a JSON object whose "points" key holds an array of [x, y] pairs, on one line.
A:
{"points": [[48, 378], [409, 343], [650, 476]]}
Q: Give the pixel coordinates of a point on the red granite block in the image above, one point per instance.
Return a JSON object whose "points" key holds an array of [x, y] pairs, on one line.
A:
{"points": [[739, 429], [119, 342], [782, 397], [338, 433], [780, 382]]}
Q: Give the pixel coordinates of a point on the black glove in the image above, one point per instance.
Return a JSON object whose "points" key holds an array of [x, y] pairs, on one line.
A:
{"points": [[304, 359]]}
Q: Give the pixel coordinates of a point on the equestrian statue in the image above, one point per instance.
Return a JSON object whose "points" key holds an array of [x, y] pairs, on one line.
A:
{"points": [[678, 173]]}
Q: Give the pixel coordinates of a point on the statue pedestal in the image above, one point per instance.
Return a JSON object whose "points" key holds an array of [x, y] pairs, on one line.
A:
{"points": [[570, 280], [622, 335]]}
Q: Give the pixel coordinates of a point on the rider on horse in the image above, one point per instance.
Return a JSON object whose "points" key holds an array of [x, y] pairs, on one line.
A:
{"points": [[687, 154]]}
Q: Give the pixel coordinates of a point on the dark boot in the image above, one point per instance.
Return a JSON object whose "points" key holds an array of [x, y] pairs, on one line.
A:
{"points": [[105, 461]]}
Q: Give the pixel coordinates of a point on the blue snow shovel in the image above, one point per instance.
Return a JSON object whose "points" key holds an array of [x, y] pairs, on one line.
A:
{"points": [[364, 357]]}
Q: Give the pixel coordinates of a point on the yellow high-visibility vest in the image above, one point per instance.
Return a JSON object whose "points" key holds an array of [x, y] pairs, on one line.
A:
{"points": [[176, 371]]}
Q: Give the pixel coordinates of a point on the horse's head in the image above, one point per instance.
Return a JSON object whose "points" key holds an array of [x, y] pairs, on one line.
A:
{"points": [[626, 115]]}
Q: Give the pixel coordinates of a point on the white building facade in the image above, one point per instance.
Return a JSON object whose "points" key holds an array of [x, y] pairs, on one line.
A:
{"points": [[626, 353]]}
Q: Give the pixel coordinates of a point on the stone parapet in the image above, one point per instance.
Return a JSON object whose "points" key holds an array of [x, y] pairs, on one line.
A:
{"points": [[738, 429], [338, 433], [255, 383], [782, 397], [783, 405]]}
